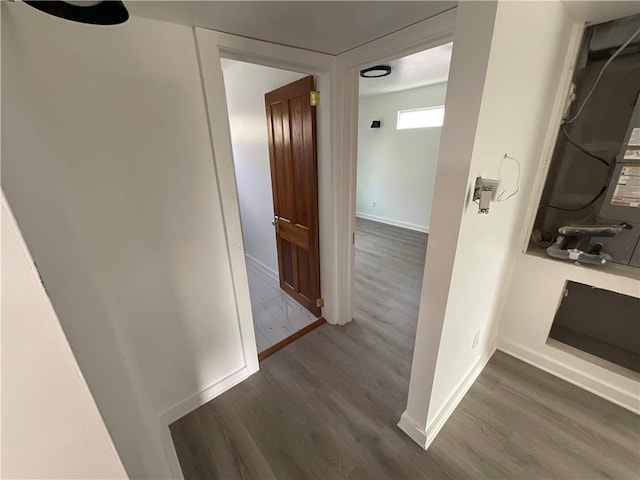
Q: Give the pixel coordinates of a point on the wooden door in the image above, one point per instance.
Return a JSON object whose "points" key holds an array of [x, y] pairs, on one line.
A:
{"points": [[291, 122]]}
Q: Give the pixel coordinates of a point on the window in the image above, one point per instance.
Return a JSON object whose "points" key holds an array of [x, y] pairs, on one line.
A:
{"points": [[420, 118]]}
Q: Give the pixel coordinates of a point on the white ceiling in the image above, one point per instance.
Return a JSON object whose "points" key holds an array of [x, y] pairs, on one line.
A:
{"points": [[331, 27], [418, 70]]}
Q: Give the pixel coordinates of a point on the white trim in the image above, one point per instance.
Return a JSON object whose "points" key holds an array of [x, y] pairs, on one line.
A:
{"points": [[170, 451], [409, 426], [212, 46], [205, 395], [189, 404], [429, 33], [426, 34], [440, 419], [395, 223], [212, 83], [271, 275], [627, 400]]}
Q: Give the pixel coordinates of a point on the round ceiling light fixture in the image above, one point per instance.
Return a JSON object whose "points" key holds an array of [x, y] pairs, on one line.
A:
{"points": [[376, 72], [95, 13]]}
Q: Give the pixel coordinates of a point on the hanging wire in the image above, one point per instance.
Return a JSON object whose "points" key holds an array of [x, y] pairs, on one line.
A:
{"points": [[581, 148], [611, 166], [501, 195], [576, 209]]}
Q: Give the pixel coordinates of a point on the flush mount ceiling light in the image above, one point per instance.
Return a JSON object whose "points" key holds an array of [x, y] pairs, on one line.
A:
{"points": [[94, 13], [376, 72]]}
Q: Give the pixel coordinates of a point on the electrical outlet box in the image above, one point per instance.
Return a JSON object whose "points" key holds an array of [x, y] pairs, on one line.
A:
{"points": [[484, 193]]}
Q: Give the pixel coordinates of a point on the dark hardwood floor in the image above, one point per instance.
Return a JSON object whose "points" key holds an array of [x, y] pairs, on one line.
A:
{"points": [[327, 405]]}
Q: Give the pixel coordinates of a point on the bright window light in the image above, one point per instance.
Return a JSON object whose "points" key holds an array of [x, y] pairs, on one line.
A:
{"points": [[420, 118]]}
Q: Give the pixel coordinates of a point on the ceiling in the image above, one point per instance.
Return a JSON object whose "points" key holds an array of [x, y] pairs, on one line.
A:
{"points": [[331, 27], [418, 70]]}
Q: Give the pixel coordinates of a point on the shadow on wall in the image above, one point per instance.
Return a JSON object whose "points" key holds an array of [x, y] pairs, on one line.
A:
{"points": [[107, 167]]}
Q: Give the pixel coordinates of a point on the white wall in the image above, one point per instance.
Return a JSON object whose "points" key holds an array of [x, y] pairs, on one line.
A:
{"points": [[528, 50], [51, 427], [107, 165], [534, 294], [245, 86], [472, 43], [519, 56], [537, 284], [397, 168]]}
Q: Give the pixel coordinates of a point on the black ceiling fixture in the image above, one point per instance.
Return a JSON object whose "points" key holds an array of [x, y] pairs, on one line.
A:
{"points": [[376, 72], [94, 13]]}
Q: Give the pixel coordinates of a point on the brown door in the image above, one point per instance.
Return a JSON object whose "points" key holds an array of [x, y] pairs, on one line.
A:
{"points": [[291, 121]]}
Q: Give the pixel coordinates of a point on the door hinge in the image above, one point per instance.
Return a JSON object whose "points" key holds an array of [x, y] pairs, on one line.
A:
{"points": [[320, 302], [314, 98]]}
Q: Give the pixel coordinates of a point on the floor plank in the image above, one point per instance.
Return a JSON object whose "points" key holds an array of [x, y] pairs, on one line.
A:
{"points": [[326, 406]]}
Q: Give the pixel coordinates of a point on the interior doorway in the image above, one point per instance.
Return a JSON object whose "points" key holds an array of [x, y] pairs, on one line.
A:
{"points": [[273, 138], [400, 115]]}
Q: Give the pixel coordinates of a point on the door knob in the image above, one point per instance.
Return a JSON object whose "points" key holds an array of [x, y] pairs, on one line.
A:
{"points": [[275, 223]]}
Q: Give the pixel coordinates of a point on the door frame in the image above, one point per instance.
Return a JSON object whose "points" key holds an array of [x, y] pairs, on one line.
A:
{"points": [[337, 117], [429, 33], [211, 46]]}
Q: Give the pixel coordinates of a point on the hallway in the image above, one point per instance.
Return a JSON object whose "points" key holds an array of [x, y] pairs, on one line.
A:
{"points": [[327, 405]]}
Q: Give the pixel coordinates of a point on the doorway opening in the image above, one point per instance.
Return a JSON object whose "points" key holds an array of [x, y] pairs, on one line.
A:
{"points": [[400, 116], [272, 126]]}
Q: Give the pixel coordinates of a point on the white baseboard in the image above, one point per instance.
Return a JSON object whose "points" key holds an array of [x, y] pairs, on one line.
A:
{"points": [[172, 456], [395, 223], [188, 405], [590, 383], [424, 438], [411, 428], [272, 275], [198, 399], [458, 394]]}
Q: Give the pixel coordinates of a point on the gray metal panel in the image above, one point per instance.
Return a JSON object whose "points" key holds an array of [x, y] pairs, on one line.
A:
{"points": [[573, 178], [621, 247], [620, 213], [635, 258], [624, 247]]}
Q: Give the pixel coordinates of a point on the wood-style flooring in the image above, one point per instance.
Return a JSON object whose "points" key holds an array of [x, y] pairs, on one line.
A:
{"points": [[327, 405]]}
